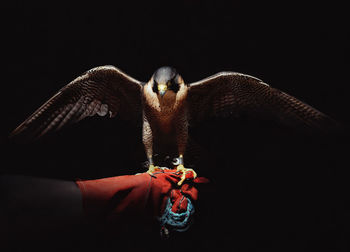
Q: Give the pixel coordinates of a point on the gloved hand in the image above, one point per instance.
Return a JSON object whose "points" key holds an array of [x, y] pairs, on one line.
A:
{"points": [[143, 196]]}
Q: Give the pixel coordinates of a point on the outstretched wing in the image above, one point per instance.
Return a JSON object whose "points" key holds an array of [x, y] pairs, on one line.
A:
{"points": [[102, 90], [229, 94]]}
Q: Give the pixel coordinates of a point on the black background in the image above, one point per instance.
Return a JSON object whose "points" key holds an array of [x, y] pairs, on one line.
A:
{"points": [[275, 189]]}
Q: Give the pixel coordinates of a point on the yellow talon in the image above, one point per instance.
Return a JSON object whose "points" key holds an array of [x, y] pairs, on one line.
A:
{"points": [[181, 168], [151, 169]]}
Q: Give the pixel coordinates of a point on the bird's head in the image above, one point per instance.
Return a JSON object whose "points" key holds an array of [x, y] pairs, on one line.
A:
{"points": [[166, 79]]}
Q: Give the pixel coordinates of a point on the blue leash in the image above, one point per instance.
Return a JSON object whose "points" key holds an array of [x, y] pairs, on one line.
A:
{"points": [[179, 222]]}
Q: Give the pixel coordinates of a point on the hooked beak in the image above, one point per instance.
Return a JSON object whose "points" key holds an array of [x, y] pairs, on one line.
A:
{"points": [[162, 88]]}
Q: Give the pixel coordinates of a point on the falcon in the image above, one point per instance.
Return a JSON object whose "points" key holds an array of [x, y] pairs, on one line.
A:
{"points": [[166, 106]]}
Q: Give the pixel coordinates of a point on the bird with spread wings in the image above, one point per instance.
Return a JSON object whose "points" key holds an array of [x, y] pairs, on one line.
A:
{"points": [[166, 106]]}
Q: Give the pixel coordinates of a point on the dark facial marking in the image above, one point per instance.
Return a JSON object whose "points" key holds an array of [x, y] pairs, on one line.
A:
{"points": [[155, 87], [173, 85]]}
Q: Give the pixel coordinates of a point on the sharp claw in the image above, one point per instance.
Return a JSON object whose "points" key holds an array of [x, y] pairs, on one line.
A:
{"points": [[152, 169], [183, 177], [181, 168]]}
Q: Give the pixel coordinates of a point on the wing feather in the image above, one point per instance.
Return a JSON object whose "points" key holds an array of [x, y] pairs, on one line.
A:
{"points": [[229, 94], [99, 91]]}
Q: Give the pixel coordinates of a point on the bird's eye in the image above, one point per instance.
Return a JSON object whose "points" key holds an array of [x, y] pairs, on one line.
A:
{"points": [[154, 87]]}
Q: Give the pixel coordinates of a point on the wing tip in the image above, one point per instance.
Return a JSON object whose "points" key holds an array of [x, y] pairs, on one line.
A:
{"points": [[326, 126], [17, 131], [20, 136]]}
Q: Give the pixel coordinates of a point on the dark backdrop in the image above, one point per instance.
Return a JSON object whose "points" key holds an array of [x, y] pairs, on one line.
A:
{"points": [[275, 189]]}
